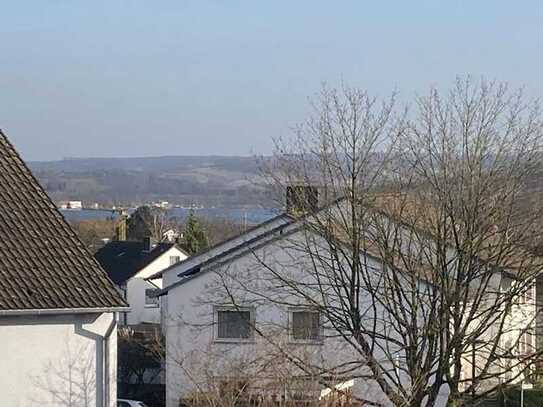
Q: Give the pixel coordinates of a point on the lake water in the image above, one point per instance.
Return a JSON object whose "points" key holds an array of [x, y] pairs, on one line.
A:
{"points": [[250, 215]]}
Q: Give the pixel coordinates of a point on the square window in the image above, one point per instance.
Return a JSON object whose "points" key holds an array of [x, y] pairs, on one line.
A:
{"points": [[234, 323], [150, 300], [306, 325]]}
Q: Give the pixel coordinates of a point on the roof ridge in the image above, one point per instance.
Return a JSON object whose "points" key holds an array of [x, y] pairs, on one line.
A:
{"points": [[292, 220], [219, 244], [46, 247], [124, 259]]}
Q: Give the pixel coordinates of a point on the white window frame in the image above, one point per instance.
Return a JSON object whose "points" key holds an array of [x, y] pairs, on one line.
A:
{"points": [[223, 308], [317, 341], [153, 304]]}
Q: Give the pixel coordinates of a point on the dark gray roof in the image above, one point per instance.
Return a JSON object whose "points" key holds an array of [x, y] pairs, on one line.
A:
{"points": [[261, 234], [43, 264], [237, 251], [122, 260], [217, 246]]}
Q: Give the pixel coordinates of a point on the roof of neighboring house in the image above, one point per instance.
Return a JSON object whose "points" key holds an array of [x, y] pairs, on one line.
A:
{"points": [[280, 225], [122, 260], [399, 209], [43, 264], [231, 243], [230, 253]]}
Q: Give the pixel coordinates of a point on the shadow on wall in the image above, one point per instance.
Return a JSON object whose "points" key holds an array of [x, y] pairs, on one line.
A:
{"points": [[69, 381]]}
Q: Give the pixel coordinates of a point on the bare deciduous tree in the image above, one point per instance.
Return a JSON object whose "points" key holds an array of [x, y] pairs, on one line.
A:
{"points": [[140, 356], [422, 258], [470, 160], [425, 267], [149, 221]]}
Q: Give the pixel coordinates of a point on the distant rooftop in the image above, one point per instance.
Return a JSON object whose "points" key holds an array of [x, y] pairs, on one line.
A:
{"points": [[122, 260]]}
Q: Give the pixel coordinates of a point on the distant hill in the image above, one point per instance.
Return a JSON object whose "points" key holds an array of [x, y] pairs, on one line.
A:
{"points": [[203, 180]]}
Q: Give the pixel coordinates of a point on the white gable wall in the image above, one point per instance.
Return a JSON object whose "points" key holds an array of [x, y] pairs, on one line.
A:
{"points": [[136, 286], [193, 356], [188, 322], [57, 360]]}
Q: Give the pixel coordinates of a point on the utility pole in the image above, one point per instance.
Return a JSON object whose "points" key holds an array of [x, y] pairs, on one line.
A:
{"points": [[473, 371], [524, 386]]}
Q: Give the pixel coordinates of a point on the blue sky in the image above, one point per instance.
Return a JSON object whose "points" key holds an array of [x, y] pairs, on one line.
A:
{"points": [[145, 78]]}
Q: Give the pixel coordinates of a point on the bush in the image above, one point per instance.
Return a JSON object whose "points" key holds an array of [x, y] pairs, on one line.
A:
{"points": [[510, 397]]}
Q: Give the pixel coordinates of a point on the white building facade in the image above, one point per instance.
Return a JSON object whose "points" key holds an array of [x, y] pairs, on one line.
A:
{"points": [[221, 324], [58, 327], [59, 360], [139, 290], [130, 264]]}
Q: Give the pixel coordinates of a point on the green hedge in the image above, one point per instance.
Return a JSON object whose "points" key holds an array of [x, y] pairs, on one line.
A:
{"points": [[510, 397]]}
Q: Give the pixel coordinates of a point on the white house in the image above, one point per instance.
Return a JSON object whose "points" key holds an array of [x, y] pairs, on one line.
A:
{"points": [[220, 323], [171, 235], [75, 205], [210, 340], [129, 264], [57, 306]]}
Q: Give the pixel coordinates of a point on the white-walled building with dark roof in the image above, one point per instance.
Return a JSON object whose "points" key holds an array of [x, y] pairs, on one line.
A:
{"points": [[58, 328], [129, 264]]}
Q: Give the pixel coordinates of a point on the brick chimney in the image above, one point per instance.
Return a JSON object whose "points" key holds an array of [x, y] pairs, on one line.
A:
{"points": [[121, 228]]}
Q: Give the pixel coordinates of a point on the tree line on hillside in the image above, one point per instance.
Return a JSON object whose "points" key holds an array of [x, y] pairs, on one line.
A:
{"points": [[220, 187]]}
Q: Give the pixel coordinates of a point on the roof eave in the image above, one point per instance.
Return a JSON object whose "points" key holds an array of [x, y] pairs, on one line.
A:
{"points": [[160, 273], [61, 311]]}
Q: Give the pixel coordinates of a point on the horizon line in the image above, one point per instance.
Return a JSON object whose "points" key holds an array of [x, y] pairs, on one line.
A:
{"points": [[147, 157]]}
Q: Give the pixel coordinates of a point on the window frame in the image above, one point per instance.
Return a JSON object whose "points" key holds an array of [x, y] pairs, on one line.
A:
{"points": [[154, 304], [226, 308], [308, 341]]}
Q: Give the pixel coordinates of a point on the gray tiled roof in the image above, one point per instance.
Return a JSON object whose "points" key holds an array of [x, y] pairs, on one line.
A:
{"points": [[122, 260], [43, 264]]}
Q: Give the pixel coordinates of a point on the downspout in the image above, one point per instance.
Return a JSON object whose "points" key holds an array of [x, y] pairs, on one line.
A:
{"points": [[105, 354], [102, 359]]}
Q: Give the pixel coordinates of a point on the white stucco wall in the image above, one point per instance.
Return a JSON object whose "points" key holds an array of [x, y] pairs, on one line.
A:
{"points": [[192, 354], [136, 286], [57, 361]]}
